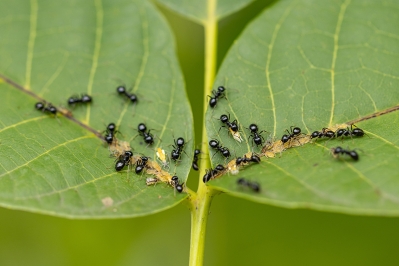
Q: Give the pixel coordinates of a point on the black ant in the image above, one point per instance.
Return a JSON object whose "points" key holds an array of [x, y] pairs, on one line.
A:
{"points": [[357, 132], [295, 131], [233, 127], [110, 133], [223, 150], [255, 186], [141, 164], [74, 99], [210, 173], [175, 183], [257, 138], [148, 137], [123, 161], [131, 96], [219, 93], [243, 160], [195, 159], [46, 107], [338, 150], [176, 153], [325, 132]]}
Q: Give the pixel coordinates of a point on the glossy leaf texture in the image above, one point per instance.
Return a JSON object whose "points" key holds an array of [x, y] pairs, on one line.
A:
{"points": [[56, 50], [315, 64], [198, 10]]}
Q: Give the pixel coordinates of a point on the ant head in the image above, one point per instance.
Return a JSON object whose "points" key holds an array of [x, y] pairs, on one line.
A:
{"points": [[221, 89], [129, 153], [121, 89], [337, 150], [315, 134], [296, 130], [180, 142], [133, 98], [86, 98], [213, 143], [39, 106], [253, 128], [141, 127], [219, 167], [111, 127], [197, 151], [224, 118]]}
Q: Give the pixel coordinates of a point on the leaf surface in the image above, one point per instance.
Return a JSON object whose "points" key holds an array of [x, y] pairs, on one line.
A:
{"points": [[56, 50], [198, 10], [313, 65]]}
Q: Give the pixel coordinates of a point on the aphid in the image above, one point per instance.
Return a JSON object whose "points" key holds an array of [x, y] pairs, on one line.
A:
{"points": [[178, 148], [257, 138], [148, 137], [233, 127], [131, 96], [219, 93], [295, 131], [325, 132], [151, 181], [195, 159], [75, 99], [255, 186], [46, 107], [338, 150], [141, 164], [223, 150], [161, 156]]}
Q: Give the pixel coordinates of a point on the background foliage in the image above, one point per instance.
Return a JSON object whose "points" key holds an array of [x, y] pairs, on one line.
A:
{"points": [[235, 227]]}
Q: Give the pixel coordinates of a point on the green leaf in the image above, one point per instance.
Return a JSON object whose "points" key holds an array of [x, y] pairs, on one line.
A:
{"points": [[316, 64], [55, 50], [198, 10]]}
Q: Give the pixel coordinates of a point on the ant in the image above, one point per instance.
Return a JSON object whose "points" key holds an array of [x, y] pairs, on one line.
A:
{"points": [[123, 161], [148, 137], [141, 164], [338, 150], [195, 159], [325, 132], [295, 131], [255, 186], [357, 132], [210, 173], [223, 150], [74, 99], [233, 127], [131, 96], [175, 183], [176, 153], [257, 138], [244, 160], [110, 133], [46, 107], [219, 93]]}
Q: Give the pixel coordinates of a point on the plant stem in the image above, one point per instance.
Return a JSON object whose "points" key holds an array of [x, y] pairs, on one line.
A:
{"points": [[201, 202]]}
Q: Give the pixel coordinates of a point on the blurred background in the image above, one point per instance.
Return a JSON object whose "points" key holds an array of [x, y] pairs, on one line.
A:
{"points": [[239, 232]]}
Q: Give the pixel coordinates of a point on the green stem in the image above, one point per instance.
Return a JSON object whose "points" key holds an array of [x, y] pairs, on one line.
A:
{"points": [[201, 202]]}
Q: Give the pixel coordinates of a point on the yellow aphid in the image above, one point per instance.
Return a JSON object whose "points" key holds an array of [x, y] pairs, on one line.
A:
{"points": [[162, 157], [232, 167], [151, 181]]}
